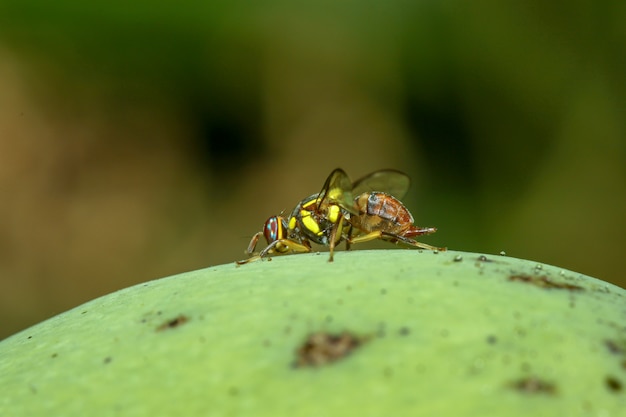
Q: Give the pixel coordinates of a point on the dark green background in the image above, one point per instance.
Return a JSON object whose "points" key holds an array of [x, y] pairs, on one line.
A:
{"points": [[141, 139]]}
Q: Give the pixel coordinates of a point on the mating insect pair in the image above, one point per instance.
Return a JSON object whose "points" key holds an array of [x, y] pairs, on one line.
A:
{"points": [[356, 212]]}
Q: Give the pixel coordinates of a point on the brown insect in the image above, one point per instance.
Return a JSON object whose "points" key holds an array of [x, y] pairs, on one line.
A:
{"points": [[335, 214], [375, 211]]}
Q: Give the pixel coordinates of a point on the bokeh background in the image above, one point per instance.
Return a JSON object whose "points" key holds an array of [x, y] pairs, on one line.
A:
{"points": [[147, 138]]}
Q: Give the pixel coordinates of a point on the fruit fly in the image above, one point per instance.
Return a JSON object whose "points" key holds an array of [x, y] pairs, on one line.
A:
{"points": [[375, 211], [307, 223], [334, 214]]}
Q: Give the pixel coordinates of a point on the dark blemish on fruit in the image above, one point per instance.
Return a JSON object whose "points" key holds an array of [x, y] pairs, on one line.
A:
{"points": [[404, 331], [329, 319], [387, 372], [84, 312], [613, 384], [173, 323], [54, 355], [492, 340], [615, 347], [234, 391], [29, 337], [383, 291], [107, 360], [267, 343], [544, 282], [287, 330], [533, 385], [325, 348]]}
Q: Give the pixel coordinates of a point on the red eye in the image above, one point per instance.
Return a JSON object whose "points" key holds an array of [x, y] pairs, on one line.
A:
{"points": [[273, 230]]}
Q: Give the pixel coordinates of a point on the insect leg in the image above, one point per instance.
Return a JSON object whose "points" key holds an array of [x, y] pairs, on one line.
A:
{"points": [[284, 246], [365, 238], [253, 242], [250, 259], [418, 231], [334, 233], [408, 241]]}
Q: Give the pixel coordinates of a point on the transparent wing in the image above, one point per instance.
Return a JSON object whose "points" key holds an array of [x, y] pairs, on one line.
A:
{"points": [[337, 190], [389, 181]]}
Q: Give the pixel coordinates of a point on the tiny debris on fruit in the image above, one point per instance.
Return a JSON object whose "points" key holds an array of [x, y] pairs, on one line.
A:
{"points": [[173, 323]]}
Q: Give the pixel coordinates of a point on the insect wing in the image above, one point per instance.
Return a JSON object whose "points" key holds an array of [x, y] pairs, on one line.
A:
{"points": [[337, 190], [388, 181]]}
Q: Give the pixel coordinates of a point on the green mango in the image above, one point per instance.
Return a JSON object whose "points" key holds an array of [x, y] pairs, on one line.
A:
{"points": [[374, 333]]}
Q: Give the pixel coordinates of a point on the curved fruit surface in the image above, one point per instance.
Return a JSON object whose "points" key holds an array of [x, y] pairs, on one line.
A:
{"points": [[376, 333]]}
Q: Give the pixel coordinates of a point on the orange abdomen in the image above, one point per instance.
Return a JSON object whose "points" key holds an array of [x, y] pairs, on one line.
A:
{"points": [[381, 211]]}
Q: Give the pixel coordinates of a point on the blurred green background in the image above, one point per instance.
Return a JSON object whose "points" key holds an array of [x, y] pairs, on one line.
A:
{"points": [[142, 139]]}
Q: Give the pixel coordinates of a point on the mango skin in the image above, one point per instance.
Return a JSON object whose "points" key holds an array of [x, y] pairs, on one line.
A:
{"points": [[439, 334]]}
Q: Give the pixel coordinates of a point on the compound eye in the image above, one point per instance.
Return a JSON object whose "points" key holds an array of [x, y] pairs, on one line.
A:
{"points": [[272, 230]]}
